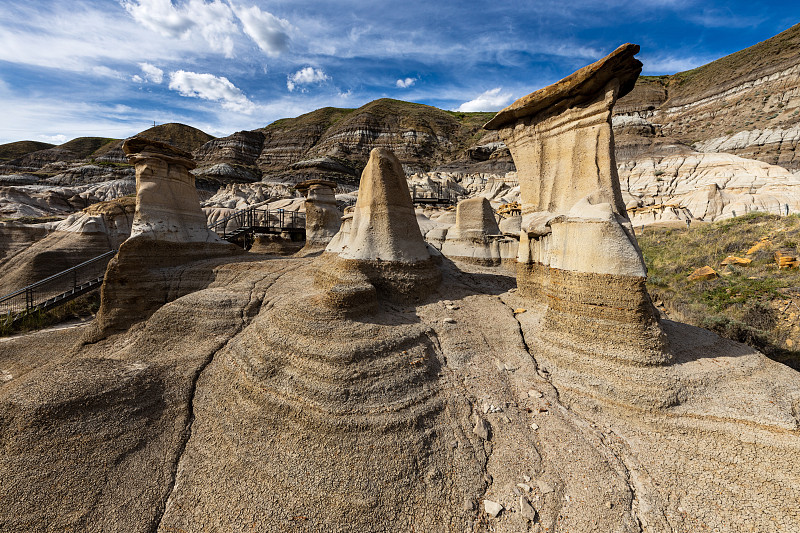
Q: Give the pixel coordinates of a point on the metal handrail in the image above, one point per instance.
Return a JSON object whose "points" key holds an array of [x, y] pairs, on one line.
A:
{"points": [[47, 298], [58, 275], [254, 217]]}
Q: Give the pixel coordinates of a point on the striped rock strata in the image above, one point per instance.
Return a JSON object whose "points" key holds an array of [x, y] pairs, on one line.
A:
{"points": [[578, 255]]}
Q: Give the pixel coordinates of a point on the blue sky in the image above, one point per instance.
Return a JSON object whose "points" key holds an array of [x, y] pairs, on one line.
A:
{"points": [[113, 67]]}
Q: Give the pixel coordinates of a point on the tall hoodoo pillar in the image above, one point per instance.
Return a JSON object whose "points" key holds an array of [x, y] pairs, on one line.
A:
{"points": [[578, 254], [167, 203], [169, 228]]}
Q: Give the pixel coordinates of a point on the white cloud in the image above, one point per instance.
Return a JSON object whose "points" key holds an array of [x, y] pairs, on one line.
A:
{"points": [[210, 87], [306, 76], [101, 70], [152, 73], [53, 139], [268, 31], [406, 83], [213, 20], [491, 100], [671, 64]]}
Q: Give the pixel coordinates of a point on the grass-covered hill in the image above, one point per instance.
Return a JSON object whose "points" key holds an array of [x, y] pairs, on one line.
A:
{"points": [[756, 303]]}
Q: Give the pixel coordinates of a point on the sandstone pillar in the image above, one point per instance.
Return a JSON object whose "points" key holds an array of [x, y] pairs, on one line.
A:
{"points": [[578, 254], [475, 237], [168, 229], [379, 249], [323, 218]]}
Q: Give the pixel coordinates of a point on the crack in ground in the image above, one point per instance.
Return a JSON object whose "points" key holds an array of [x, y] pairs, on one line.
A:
{"points": [[605, 445], [187, 432]]}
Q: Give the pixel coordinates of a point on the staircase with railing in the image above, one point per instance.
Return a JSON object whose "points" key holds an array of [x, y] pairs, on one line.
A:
{"points": [[56, 289], [242, 225], [437, 195]]}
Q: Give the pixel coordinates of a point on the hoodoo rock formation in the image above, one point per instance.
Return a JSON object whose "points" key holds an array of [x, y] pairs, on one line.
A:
{"points": [[381, 241], [577, 254], [375, 388], [476, 237], [168, 229], [323, 218]]}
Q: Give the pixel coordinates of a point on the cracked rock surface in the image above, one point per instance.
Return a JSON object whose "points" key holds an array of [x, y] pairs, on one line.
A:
{"points": [[248, 405]]}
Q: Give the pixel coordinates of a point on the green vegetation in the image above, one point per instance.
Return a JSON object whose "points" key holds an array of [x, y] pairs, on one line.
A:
{"points": [[758, 303], [84, 147], [83, 307], [15, 150], [181, 136]]}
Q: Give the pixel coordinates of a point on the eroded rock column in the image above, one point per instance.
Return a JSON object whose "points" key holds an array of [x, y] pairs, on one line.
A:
{"points": [[168, 229], [475, 237], [578, 254], [323, 218], [380, 247]]}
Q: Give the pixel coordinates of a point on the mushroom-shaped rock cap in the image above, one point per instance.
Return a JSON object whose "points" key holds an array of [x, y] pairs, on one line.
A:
{"points": [[578, 87], [304, 186], [137, 145]]}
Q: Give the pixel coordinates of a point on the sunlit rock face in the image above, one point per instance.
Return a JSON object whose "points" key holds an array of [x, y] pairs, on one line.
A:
{"points": [[577, 254], [379, 246], [323, 218], [168, 229], [475, 237]]}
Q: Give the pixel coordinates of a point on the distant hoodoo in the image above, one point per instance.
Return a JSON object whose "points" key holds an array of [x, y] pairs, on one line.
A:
{"points": [[476, 237], [323, 218]]}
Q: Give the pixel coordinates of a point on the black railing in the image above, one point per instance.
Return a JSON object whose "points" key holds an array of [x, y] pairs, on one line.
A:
{"points": [[57, 289], [257, 220], [435, 195]]}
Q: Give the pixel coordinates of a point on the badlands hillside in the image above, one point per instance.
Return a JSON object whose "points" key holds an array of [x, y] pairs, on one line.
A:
{"points": [[408, 369]]}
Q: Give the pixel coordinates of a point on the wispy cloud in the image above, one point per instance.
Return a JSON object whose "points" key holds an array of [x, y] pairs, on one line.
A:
{"points": [[306, 76], [658, 65], [491, 100], [152, 73], [269, 32], [405, 83], [210, 87], [213, 20]]}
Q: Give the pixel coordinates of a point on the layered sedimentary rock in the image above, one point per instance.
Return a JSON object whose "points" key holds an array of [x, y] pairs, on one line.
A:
{"points": [[379, 246], [706, 187], [578, 255], [42, 200], [323, 218], [168, 229], [476, 237], [745, 104]]}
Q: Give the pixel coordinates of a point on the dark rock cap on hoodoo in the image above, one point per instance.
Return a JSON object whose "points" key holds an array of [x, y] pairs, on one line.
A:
{"points": [[581, 85], [136, 145]]}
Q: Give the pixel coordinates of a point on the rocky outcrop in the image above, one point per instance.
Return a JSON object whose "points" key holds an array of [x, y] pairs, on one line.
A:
{"points": [[379, 246], [78, 238], [168, 229], [43, 201], [746, 103], [706, 186], [475, 237], [230, 159], [578, 255]]}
